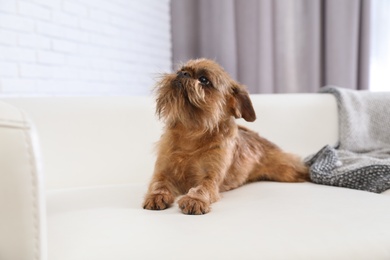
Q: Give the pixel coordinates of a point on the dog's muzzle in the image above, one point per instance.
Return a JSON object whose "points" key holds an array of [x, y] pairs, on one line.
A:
{"points": [[181, 76]]}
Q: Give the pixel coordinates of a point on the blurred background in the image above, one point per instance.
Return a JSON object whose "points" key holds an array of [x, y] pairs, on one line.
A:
{"points": [[119, 47]]}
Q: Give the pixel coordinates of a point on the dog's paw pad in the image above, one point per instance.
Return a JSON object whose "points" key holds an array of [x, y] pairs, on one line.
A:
{"points": [[191, 206], [158, 201]]}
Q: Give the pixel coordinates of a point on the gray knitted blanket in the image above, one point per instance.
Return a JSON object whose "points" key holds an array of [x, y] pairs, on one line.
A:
{"points": [[361, 160]]}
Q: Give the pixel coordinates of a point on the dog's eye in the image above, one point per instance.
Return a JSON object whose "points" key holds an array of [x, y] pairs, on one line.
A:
{"points": [[203, 80]]}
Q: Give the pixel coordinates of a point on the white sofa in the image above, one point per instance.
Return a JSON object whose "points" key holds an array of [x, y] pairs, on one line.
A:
{"points": [[72, 188]]}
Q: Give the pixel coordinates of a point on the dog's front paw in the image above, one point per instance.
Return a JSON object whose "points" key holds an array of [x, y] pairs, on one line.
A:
{"points": [[158, 201], [191, 206]]}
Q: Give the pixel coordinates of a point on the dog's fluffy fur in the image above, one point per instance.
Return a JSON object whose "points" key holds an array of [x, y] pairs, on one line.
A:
{"points": [[203, 151]]}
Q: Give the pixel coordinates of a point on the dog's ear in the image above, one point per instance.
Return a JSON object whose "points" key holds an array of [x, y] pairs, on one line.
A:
{"points": [[240, 103]]}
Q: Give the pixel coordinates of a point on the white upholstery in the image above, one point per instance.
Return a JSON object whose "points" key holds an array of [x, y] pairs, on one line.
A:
{"points": [[97, 155], [91, 141], [22, 205]]}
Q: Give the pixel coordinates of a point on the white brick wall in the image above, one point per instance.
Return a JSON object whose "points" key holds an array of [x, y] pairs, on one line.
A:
{"points": [[83, 47]]}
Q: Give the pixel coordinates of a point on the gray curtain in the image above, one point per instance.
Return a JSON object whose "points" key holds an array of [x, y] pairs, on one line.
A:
{"points": [[275, 46]]}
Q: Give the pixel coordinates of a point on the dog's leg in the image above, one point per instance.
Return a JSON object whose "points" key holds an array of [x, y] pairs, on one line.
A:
{"points": [[198, 199], [283, 167], [290, 169], [161, 194]]}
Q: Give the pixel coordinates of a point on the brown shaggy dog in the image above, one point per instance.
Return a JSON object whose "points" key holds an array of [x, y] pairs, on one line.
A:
{"points": [[203, 151]]}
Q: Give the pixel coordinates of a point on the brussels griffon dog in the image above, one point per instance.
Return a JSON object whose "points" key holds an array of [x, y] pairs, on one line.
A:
{"points": [[202, 151]]}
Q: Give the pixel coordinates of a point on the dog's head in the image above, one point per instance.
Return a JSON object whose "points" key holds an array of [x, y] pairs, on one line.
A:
{"points": [[201, 95]]}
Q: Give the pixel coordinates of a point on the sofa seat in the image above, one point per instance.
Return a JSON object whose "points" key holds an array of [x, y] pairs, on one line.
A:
{"points": [[263, 220]]}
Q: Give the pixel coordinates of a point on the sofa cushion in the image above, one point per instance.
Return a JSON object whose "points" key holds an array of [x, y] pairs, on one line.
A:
{"points": [[264, 220]]}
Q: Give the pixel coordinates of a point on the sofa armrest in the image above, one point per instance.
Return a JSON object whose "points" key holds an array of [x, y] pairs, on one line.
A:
{"points": [[22, 204]]}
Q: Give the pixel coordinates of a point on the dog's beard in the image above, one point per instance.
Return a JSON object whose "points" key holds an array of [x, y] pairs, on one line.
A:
{"points": [[189, 103]]}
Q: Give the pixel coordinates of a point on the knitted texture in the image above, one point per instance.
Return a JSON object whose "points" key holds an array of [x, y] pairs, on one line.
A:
{"points": [[361, 160]]}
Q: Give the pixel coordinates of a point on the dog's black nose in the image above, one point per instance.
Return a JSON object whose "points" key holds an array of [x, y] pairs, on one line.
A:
{"points": [[184, 74]]}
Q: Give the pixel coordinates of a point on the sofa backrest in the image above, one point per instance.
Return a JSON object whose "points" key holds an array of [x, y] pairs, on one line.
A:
{"points": [[91, 141], [298, 123]]}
